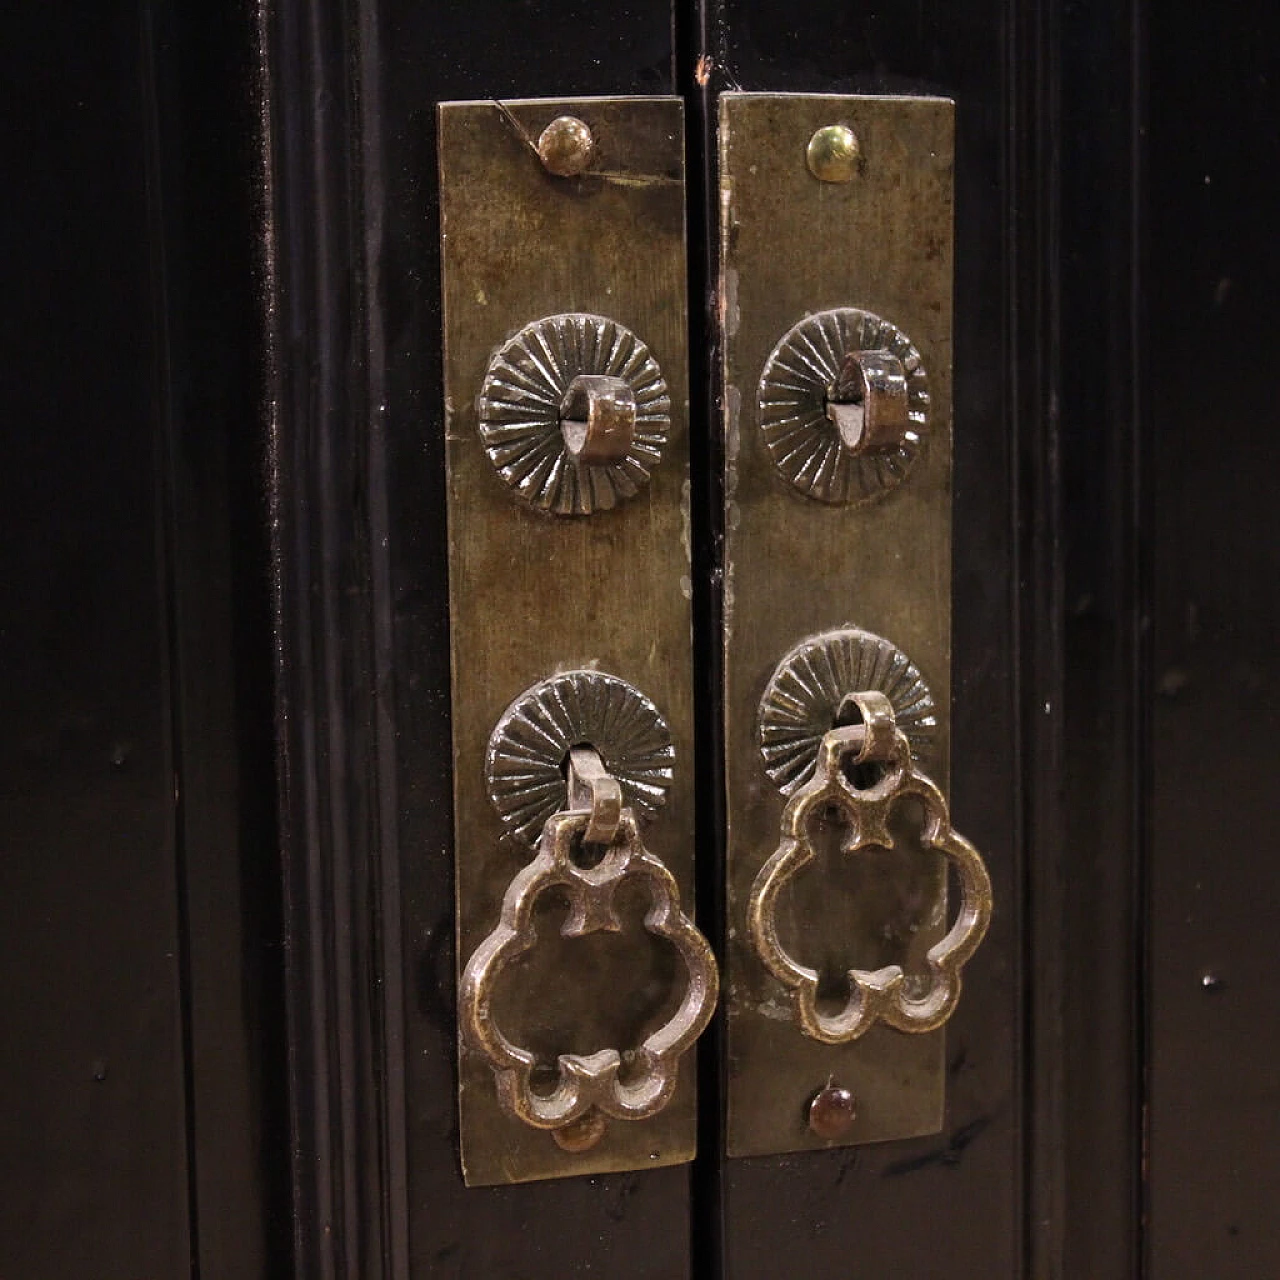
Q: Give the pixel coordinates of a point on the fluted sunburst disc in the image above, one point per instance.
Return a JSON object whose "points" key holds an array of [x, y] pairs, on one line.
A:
{"points": [[797, 378], [808, 686], [520, 404], [524, 765]]}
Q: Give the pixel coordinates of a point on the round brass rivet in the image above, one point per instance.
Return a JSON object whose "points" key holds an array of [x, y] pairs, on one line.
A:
{"points": [[832, 1113], [833, 153], [581, 1135], [566, 147]]}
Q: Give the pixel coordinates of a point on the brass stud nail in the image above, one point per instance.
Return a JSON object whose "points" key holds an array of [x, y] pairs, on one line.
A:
{"points": [[581, 1135], [566, 147], [833, 153], [832, 1112]]}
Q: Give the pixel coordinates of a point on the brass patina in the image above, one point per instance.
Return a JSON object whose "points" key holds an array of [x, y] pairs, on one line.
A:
{"points": [[589, 571], [809, 552], [601, 1083], [865, 809]]}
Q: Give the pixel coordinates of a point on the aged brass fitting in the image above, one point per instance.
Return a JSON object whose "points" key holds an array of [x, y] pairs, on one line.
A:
{"points": [[833, 153], [566, 147], [598, 419], [868, 403]]}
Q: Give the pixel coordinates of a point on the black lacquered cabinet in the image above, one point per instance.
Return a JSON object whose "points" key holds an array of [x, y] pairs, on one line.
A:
{"points": [[229, 969]]}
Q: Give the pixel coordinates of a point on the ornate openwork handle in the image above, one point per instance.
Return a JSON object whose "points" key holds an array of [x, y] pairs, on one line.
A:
{"points": [[588, 1083], [879, 994]]}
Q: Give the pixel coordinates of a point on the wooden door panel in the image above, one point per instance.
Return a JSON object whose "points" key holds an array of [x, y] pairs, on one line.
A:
{"points": [[93, 1145], [361, 456], [1212, 277]]}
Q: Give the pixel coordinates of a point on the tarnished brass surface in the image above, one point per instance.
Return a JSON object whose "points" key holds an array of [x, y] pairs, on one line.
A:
{"points": [[566, 147], [869, 403], [593, 789], [526, 773], [797, 566], [598, 419], [533, 592], [531, 394], [866, 815], [602, 1082]]}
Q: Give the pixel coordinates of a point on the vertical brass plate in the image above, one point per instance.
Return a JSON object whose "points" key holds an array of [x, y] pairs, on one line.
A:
{"points": [[793, 245], [532, 593]]}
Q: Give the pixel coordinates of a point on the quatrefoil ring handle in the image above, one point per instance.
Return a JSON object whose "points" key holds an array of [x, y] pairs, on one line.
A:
{"points": [[590, 1086], [879, 995]]}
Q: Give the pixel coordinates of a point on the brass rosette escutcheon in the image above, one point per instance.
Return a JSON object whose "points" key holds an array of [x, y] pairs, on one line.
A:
{"points": [[524, 761], [879, 995], [575, 764], [802, 381], [809, 689], [534, 433]]}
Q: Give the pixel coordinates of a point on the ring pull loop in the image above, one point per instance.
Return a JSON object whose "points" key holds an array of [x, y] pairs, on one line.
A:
{"points": [[875, 732], [879, 995], [590, 1087]]}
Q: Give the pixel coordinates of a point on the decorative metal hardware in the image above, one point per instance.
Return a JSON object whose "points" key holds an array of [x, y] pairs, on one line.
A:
{"points": [[588, 1086], [598, 419], [574, 413], [808, 693], [881, 994], [563, 266], [593, 789], [524, 763], [835, 295], [844, 402], [579, 757], [832, 153], [868, 403], [566, 147], [832, 1112]]}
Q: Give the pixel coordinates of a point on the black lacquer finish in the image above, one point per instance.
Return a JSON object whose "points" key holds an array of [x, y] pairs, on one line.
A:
{"points": [[1090, 1031], [145, 1131], [186, 225], [93, 1145], [205, 184], [1212, 279]]}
